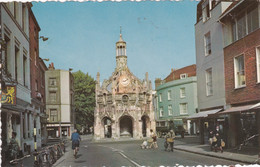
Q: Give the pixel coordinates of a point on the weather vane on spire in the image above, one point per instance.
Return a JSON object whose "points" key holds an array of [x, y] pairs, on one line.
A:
{"points": [[120, 29]]}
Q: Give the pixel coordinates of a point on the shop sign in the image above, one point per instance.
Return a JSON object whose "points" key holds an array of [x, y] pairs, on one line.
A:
{"points": [[221, 120], [9, 96]]}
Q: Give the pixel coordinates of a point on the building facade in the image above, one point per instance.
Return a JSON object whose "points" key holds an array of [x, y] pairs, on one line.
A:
{"points": [[16, 116], [210, 64], [37, 70], [241, 25], [59, 102], [177, 99], [123, 102]]}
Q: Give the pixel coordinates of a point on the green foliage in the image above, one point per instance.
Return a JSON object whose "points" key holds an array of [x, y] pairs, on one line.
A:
{"points": [[84, 96]]}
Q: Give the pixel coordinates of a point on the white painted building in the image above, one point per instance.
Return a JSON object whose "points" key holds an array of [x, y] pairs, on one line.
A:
{"points": [[59, 102], [16, 71], [210, 59]]}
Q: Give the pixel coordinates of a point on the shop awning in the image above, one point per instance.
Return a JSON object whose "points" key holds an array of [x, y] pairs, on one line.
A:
{"points": [[237, 109], [256, 106], [204, 114]]}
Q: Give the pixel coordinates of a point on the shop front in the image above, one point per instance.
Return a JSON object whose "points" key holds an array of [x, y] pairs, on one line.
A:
{"points": [[244, 125]]}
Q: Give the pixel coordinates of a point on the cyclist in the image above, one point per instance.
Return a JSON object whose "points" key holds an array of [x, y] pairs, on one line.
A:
{"points": [[75, 142]]}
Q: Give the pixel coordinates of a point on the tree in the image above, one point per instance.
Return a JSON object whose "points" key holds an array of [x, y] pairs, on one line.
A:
{"points": [[84, 96]]}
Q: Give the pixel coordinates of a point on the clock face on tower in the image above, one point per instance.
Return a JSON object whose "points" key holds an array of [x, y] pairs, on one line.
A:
{"points": [[124, 80]]}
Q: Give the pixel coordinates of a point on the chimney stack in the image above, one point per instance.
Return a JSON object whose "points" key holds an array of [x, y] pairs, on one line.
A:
{"points": [[51, 66]]}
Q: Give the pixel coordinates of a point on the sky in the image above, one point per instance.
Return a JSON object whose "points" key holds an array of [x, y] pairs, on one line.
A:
{"points": [[82, 36]]}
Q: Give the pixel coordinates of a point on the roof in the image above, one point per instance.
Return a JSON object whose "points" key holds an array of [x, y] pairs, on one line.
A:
{"points": [[236, 7], [175, 74]]}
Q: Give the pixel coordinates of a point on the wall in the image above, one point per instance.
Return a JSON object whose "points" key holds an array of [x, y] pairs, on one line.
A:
{"points": [[215, 60], [190, 86], [247, 47]]}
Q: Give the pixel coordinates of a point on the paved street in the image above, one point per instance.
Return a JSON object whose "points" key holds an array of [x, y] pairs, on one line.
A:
{"points": [[128, 153]]}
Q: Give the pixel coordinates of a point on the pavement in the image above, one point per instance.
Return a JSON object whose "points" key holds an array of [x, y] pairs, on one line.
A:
{"points": [[248, 155], [188, 144]]}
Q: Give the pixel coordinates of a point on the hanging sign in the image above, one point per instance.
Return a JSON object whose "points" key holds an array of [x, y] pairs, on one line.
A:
{"points": [[9, 96]]}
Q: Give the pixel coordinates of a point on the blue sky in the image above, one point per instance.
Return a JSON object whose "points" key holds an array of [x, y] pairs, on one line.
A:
{"points": [[82, 36]]}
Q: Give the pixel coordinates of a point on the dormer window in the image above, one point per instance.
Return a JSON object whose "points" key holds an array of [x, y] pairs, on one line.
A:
{"points": [[183, 76]]}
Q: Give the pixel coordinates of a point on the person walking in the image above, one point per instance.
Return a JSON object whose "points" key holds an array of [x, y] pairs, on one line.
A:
{"points": [[154, 139], [75, 142], [218, 135], [170, 139], [14, 147]]}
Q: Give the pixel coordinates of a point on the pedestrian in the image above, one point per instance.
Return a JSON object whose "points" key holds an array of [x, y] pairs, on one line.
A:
{"points": [[75, 142], [170, 139], [144, 145], [154, 139], [14, 147], [217, 140], [211, 135]]}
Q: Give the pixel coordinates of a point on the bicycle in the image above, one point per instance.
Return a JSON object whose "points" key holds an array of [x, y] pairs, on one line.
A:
{"points": [[245, 142], [19, 161]]}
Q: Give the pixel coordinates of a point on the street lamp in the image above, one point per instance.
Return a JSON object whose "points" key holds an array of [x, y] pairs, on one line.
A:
{"points": [[44, 38]]}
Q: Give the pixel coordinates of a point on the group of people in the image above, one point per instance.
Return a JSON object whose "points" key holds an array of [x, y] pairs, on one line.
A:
{"points": [[169, 141], [216, 140]]}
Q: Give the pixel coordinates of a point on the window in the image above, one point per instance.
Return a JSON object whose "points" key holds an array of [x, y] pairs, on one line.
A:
{"points": [[209, 85], [23, 16], [183, 108], [183, 76], [28, 124], [207, 43], [53, 96], [35, 57], [24, 69], [36, 85], [169, 95], [16, 62], [234, 31], [206, 11], [53, 82], [252, 19], [245, 23], [53, 115], [160, 97], [258, 63], [182, 93], [241, 26], [170, 110], [16, 10], [239, 71], [161, 111], [7, 54]]}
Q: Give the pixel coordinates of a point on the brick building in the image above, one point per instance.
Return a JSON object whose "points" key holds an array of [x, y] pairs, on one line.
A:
{"points": [[37, 68], [241, 31]]}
